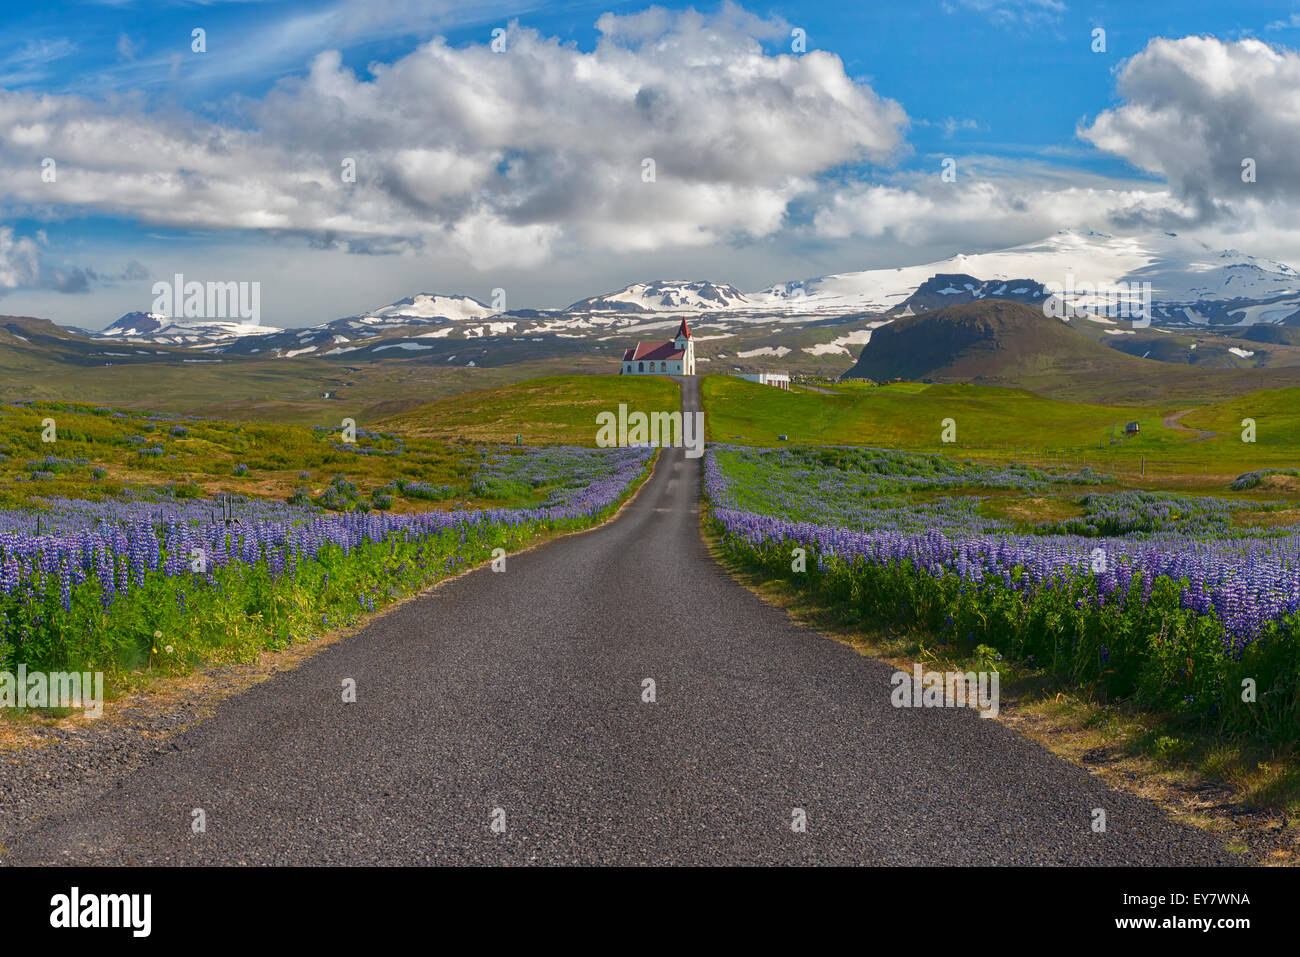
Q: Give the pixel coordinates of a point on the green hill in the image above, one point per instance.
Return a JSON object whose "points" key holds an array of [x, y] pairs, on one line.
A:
{"points": [[909, 415], [994, 342], [550, 410], [991, 340], [40, 360]]}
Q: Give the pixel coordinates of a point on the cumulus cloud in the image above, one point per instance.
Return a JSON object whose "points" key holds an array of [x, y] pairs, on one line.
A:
{"points": [[1193, 109], [505, 157], [508, 160], [19, 260], [988, 211]]}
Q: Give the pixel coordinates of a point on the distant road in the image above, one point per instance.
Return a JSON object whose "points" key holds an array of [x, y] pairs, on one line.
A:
{"points": [[522, 691], [1174, 421]]}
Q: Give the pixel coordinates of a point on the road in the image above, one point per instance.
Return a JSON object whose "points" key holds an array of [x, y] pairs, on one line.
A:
{"points": [[523, 691], [1174, 421]]}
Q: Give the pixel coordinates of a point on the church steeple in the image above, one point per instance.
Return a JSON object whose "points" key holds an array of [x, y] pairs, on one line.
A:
{"points": [[686, 345]]}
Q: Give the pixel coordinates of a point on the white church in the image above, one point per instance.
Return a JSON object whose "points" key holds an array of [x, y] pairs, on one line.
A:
{"points": [[674, 357]]}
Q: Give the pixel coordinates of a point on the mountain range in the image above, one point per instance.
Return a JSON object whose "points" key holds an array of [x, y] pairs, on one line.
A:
{"points": [[1207, 306]]}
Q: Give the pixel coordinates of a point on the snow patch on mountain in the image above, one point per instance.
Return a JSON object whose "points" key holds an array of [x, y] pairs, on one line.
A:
{"points": [[1183, 271], [838, 345], [665, 296], [152, 327], [1192, 284], [428, 305]]}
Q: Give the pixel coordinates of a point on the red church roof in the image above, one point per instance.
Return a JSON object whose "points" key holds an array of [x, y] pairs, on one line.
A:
{"points": [[659, 350], [653, 350]]}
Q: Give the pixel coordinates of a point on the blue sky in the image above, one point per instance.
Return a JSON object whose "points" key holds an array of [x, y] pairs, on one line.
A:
{"points": [[829, 184]]}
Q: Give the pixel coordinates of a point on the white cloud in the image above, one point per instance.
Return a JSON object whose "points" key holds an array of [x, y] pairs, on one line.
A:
{"points": [[24, 266], [1193, 109], [498, 155], [1005, 206], [1190, 111], [19, 261]]}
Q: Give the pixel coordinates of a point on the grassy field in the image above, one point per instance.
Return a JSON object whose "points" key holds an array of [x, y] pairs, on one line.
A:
{"points": [[259, 389], [100, 453], [103, 452], [903, 415], [1202, 447], [1276, 413], [552, 410]]}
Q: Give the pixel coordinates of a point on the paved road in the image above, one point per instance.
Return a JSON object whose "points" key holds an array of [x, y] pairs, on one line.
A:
{"points": [[523, 691]]}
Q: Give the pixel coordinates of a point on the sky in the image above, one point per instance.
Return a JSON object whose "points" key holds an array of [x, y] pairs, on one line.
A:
{"points": [[349, 153]]}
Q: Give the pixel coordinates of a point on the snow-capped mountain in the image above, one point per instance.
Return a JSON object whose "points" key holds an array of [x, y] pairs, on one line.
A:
{"points": [[428, 305], [949, 289], [666, 296], [149, 327], [422, 309], [1191, 282]]}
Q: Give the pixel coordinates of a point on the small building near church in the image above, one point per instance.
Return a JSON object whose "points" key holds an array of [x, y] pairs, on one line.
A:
{"points": [[674, 357], [778, 379]]}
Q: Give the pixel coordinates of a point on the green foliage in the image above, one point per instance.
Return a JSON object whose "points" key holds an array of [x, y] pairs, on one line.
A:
{"points": [[496, 488], [102, 452], [1153, 652], [231, 612], [239, 609], [553, 410], [342, 496], [1012, 424]]}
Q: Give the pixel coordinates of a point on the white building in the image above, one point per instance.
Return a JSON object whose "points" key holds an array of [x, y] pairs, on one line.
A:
{"points": [[778, 379], [674, 357]]}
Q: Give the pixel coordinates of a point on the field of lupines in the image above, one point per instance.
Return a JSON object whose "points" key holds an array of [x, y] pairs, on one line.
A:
{"points": [[150, 580], [1171, 600]]}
